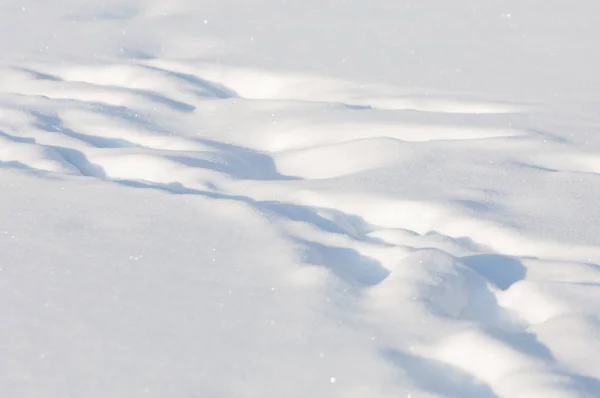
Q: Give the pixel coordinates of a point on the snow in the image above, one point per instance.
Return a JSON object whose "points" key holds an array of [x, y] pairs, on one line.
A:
{"points": [[277, 198]]}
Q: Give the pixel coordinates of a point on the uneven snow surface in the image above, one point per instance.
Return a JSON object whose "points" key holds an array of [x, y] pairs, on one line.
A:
{"points": [[299, 198]]}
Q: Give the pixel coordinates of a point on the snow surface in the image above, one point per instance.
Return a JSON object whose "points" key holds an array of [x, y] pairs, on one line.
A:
{"points": [[285, 198]]}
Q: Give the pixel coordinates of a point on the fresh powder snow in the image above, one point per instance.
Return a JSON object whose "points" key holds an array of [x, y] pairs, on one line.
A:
{"points": [[299, 198]]}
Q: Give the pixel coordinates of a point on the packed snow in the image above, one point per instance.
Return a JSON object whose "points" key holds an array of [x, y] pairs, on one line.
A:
{"points": [[285, 198]]}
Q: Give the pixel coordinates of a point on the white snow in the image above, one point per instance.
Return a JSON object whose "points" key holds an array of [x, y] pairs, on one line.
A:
{"points": [[317, 198]]}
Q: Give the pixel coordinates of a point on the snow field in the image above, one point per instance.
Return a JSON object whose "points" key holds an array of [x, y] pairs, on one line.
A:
{"points": [[183, 214]]}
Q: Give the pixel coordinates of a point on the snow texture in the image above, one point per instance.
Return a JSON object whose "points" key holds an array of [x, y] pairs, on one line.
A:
{"points": [[316, 198]]}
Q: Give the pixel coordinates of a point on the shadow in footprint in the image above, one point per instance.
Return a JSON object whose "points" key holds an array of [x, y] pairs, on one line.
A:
{"points": [[437, 377], [240, 162], [202, 87], [502, 271], [524, 342], [16, 165], [345, 263], [54, 124], [78, 160], [588, 385], [22, 167], [39, 75], [23, 140], [302, 214], [164, 100]]}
